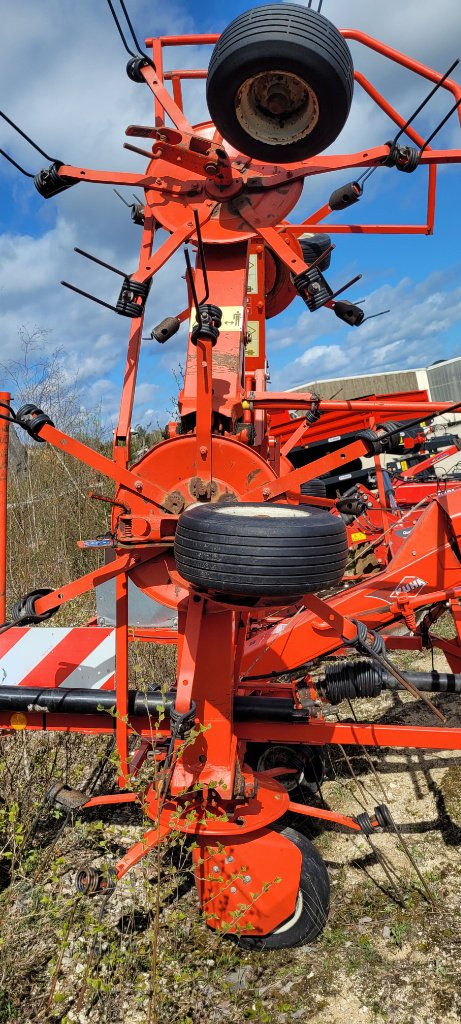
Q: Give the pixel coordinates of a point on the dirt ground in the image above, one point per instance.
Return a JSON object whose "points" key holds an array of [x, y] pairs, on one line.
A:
{"points": [[389, 951]]}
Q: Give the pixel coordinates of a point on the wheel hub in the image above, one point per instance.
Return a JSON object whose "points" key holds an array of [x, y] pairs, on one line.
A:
{"points": [[277, 108]]}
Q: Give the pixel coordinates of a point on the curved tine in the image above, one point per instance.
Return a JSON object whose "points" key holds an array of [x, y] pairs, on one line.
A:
{"points": [[26, 137]]}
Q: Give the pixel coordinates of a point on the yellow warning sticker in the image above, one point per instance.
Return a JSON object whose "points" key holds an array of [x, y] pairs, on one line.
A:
{"points": [[358, 536], [232, 318], [404, 465], [252, 274], [252, 346]]}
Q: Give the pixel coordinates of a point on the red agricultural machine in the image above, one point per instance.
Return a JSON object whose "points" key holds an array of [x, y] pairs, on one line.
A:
{"points": [[212, 523], [379, 502]]}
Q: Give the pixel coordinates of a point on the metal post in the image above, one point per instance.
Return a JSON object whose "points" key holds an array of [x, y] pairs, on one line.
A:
{"points": [[121, 676], [4, 440]]}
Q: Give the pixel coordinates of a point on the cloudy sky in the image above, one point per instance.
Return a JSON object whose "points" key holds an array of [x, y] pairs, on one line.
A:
{"points": [[63, 79]]}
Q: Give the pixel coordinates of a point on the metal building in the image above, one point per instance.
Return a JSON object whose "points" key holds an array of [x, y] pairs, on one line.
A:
{"points": [[442, 381]]}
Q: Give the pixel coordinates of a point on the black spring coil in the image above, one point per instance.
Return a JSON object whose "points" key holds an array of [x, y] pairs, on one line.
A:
{"points": [[313, 288], [130, 291], [49, 183], [23, 611], [404, 158], [210, 322], [378, 646], [364, 821], [383, 816], [181, 722]]}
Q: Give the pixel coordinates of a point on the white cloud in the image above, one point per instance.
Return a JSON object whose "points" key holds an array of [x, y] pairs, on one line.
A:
{"points": [[420, 315]]}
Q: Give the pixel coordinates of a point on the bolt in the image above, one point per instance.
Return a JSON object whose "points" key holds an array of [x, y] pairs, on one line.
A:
{"points": [[233, 889], [215, 869], [229, 859], [138, 485], [210, 168], [414, 553], [266, 492], [246, 879], [203, 451]]}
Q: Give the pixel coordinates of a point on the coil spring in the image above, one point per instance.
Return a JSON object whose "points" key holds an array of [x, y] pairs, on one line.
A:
{"points": [[181, 722], [23, 611], [49, 183], [383, 816], [211, 318], [130, 291], [364, 821], [404, 158], [91, 880], [312, 288], [378, 646], [32, 419]]}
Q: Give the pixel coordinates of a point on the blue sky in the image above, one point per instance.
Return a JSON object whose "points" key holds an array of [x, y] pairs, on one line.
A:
{"points": [[62, 72]]}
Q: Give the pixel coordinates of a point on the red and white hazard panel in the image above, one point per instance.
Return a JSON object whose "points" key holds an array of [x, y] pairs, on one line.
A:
{"points": [[83, 657]]}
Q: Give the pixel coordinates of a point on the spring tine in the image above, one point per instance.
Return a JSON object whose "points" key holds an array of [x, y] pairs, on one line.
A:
{"points": [[202, 256], [374, 315], [26, 137], [101, 263], [120, 30], [382, 860], [409, 854], [426, 100], [119, 194], [439, 126], [87, 295], [377, 853], [18, 166], [190, 277], [368, 758], [343, 289], [130, 26]]}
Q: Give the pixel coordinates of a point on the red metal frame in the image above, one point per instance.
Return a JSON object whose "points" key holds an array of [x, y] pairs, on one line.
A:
{"points": [[4, 438], [223, 402]]}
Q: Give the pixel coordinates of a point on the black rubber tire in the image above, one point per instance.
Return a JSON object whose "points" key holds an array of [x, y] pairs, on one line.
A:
{"points": [[314, 246], [309, 760], [260, 550], [312, 908], [316, 488], [291, 40], [282, 291]]}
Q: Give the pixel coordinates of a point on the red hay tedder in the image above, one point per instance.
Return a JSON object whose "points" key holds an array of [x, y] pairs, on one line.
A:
{"points": [[214, 523]]}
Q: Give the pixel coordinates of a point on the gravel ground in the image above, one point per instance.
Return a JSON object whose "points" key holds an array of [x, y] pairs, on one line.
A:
{"points": [[389, 951]]}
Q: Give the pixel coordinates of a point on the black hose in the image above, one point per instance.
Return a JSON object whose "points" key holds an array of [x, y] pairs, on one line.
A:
{"points": [[59, 700]]}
